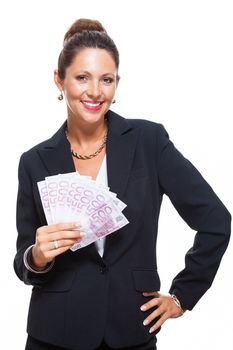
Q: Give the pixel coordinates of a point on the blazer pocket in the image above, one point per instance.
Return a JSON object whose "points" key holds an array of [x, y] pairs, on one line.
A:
{"points": [[146, 280], [61, 282]]}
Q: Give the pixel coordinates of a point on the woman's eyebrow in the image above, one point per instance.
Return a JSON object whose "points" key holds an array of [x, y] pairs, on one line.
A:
{"points": [[89, 73]]}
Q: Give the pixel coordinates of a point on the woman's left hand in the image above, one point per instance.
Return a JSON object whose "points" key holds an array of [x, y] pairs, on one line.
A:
{"points": [[166, 308]]}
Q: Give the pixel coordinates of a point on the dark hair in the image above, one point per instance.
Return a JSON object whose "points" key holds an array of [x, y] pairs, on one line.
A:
{"points": [[85, 33]]}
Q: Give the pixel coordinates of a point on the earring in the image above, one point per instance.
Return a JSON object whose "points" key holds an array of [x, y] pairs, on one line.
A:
{"points": [[60, 97], [114, 101]]}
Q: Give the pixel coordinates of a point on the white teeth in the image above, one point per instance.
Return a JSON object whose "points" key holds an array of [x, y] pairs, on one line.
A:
{"points": [[91, 104]]}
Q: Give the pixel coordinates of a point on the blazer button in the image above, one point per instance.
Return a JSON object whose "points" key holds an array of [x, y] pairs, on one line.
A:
{"points": [[103, 269]]}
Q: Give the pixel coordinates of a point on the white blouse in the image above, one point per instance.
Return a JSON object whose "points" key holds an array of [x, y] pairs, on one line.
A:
{"points": [[102, 177]]}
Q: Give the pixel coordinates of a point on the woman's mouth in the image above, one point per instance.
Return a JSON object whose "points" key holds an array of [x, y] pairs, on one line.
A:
{"points": [[92, 105]]}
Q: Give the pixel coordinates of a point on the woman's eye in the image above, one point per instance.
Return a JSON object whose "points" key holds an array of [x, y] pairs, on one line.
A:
{"points": [[81, 78], [107, 80]]}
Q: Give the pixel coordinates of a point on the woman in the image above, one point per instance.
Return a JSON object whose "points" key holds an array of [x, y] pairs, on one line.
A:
{"points": [[106, 295]]}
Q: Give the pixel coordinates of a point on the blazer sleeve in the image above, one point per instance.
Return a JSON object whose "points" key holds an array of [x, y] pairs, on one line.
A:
{"points": [[27, 223], [203, 211]]}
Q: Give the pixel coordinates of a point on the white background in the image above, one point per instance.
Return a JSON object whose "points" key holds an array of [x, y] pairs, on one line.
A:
{"points": [[177, 69]]}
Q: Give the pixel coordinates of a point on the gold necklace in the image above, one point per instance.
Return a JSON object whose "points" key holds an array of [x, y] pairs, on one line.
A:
{"points": [[90, 156]]}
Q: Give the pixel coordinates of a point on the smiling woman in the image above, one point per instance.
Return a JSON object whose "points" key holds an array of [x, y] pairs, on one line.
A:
{"points": [[89, 86], [106, 295]]}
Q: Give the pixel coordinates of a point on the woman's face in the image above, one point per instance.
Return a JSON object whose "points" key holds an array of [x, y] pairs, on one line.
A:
{"points": [[89, 85]]}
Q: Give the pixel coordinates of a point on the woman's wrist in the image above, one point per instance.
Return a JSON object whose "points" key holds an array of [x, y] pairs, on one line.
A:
{"points": [[28, 262], [35, 261], [177, 302]]}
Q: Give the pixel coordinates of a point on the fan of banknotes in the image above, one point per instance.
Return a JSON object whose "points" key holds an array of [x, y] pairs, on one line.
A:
{"points": [[72, 197]]}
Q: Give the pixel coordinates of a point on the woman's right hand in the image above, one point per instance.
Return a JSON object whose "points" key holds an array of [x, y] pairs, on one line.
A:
{"points": [[53, 240]]}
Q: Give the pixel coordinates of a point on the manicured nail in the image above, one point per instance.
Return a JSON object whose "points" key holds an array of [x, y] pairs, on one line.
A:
{"points": [[151, 330], [82, 234], [146, 322], [143, 308], [77, 227]]}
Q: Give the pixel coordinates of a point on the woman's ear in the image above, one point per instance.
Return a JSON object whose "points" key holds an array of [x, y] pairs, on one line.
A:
{"points": [[57, 80]]}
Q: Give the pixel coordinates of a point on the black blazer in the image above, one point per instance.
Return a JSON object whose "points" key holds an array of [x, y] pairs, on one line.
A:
{"points": [[85, 297]]}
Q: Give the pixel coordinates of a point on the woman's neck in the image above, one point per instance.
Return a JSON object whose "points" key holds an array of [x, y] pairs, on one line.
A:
{"points": [[83, 135]]}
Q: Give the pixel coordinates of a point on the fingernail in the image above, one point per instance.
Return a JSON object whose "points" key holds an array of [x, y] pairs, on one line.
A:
{"points": [[77, 224], [151, 330], [143, 308], [82, 234], [145, 322]]}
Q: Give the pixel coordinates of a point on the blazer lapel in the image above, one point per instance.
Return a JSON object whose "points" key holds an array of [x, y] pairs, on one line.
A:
{"points": [[121, 144], [56, 154]]}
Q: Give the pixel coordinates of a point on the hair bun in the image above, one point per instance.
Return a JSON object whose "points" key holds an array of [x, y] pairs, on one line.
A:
{"points": [[83, 24]]}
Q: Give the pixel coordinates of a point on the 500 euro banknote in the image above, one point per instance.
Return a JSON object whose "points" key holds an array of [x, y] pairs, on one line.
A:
{"points": [[72, 197]]}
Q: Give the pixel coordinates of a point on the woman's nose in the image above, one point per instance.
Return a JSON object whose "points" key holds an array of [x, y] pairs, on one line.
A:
{"points": [[94, 90]]}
